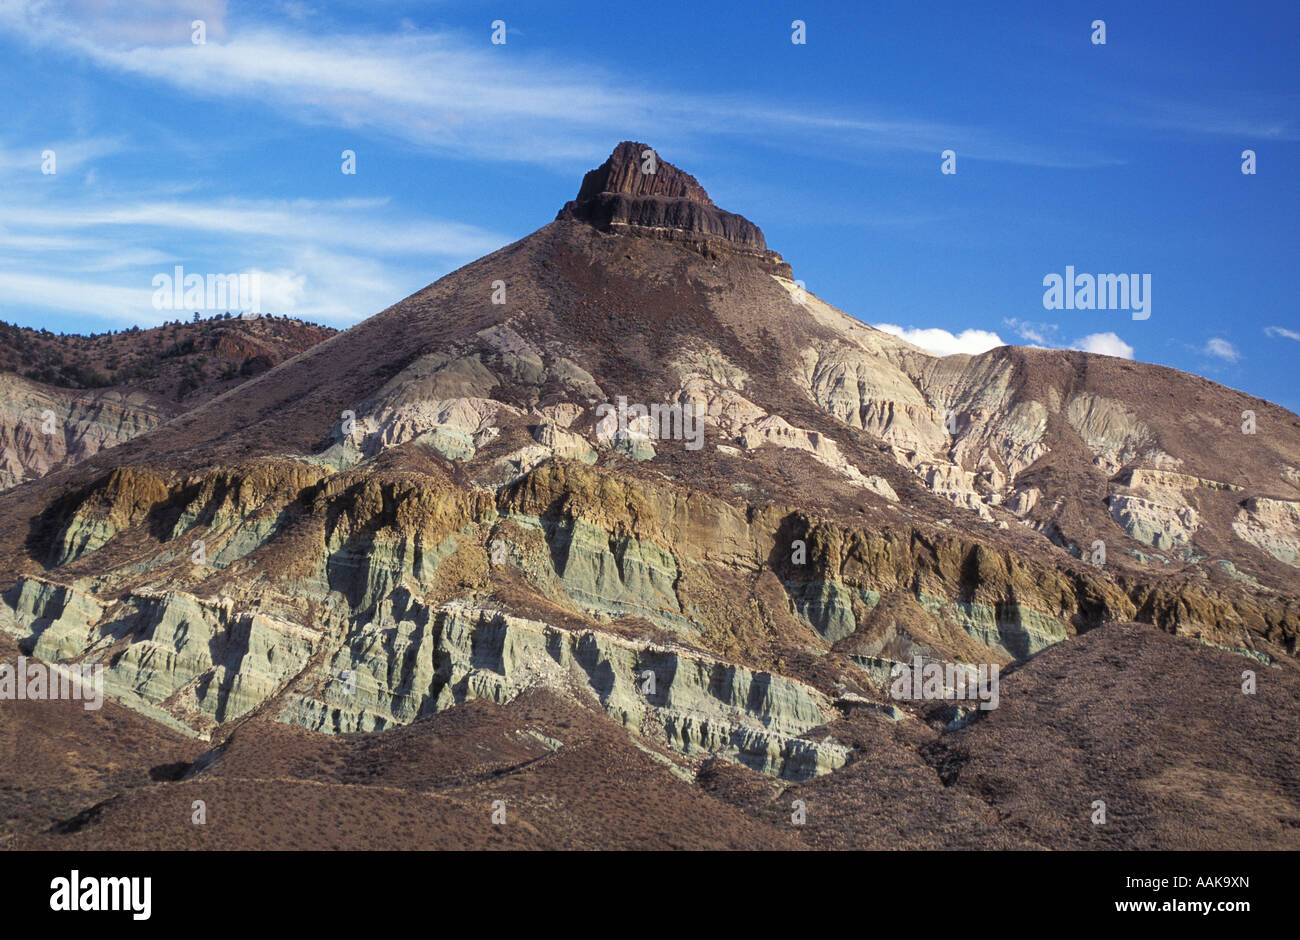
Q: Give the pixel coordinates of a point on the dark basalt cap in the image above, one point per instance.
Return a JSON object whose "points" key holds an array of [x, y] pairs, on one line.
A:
{"points": [[623, 195], [624, 172]]}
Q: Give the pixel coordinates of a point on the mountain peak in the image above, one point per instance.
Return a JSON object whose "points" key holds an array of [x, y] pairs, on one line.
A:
{"points": [[637, 192], [635, 169]]}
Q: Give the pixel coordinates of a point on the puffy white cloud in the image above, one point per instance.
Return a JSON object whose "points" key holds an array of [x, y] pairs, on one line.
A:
{"points": [[1105, 344], [1222, 349], [943, 343], [1049, 335]]}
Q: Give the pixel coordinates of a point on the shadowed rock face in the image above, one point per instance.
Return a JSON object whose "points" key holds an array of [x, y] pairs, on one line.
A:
{"points": [[620, 195]]}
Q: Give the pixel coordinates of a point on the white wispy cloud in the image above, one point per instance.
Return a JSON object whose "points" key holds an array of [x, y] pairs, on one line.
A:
{"points": [[458, 94], [1250, 117], [444, 92], [101, 299], [123, 24], [1220, 348], [296, 10], [1282, 331], [336, 260], [341, 223], [1039, 334], [69, 155]]}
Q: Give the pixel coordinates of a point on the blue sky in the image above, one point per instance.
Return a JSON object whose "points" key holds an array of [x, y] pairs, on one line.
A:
{"points": [[1118, 158]]}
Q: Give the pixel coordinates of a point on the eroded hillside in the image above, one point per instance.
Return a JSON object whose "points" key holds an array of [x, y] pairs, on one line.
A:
{"points": [[458, 501], [65, 398]]}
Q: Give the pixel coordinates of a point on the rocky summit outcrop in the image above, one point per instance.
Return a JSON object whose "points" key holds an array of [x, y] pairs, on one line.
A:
{"points": [[636, 192], [635, 169], [656, 478]]}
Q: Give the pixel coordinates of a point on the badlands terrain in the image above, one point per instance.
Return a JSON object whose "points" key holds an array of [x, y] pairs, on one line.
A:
{"points": [[414, 585], [108, 388]]}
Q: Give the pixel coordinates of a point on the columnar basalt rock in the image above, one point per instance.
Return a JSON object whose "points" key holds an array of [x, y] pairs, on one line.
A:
{"points": [[636, 192]]}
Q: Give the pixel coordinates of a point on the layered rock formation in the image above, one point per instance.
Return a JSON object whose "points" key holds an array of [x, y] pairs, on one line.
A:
{"points": [[43, 427], [634, 192], [663, 483]]}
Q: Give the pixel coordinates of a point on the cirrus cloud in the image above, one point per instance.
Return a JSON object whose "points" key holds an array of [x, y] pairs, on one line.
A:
{"points": [[1282, 331], [1220, 348]]}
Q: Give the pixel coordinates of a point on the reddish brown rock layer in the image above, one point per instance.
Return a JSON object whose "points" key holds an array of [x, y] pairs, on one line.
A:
{"points": [[621, 196], [623, 173]]}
